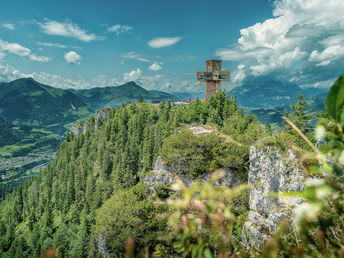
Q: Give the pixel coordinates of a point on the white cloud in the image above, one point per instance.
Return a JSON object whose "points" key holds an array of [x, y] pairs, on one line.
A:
{"points": [[72, 57], [133, 75], [9, 26], [303, 43], [9, 73], [19, 50], [155, 67], [239, 75], [2, 55], [328, 55], [42, 59], [14, 48], [133, 55], [163, 42], [47, 44], [119, 29], [66, 29]]}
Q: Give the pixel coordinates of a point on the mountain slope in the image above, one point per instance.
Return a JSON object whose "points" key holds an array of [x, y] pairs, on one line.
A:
{"points": [[7, 134], [27, 102], [115, 96]]}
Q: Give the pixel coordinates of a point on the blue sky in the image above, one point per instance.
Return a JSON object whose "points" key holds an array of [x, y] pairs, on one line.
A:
{"points": [[162, 44]]}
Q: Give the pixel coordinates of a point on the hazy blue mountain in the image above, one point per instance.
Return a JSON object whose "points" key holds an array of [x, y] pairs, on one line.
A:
{"points": [[318, 101], [115, 96], [312, 91], [189, 95], [27, 102], [274, 115], [266, 94]]}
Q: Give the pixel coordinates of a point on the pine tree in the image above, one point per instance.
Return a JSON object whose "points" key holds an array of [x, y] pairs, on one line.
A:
{"points": [[301, 114], [268, 129]]}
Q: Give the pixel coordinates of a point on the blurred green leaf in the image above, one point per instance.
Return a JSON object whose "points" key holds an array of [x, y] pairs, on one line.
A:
{"points": [[335, 101]]}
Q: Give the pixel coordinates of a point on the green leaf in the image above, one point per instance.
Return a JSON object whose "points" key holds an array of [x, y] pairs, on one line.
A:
{"points": [[200, 253], [194, 251], [335, 100], [207, 253]]}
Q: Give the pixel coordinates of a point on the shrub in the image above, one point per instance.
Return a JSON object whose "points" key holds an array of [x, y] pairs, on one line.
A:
{"points": [[163, 191]]}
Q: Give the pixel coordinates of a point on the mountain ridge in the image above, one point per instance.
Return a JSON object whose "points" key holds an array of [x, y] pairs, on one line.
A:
{"points": [[115, 96], [27, 102], [271, 94]]}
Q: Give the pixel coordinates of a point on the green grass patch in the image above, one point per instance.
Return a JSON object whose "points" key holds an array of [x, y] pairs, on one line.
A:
{"points": [[40, 130]]}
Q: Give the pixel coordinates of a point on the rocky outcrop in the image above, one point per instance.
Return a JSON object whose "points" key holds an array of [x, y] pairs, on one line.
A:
{"points": [[270, 172], [165, 175], [77, 129], [82, 128], [102, 114]]}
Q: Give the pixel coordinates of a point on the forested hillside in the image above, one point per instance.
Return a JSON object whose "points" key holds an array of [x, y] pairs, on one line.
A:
{"points": [[7, 134], [58, 207]]}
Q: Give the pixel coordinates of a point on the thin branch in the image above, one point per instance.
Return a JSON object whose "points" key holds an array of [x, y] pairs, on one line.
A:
{"points": [[301, 134]]}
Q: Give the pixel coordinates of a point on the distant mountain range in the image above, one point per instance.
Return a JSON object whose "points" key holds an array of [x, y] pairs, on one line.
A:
{"points": [[274, 115], [271, 94], [269, 100], [116, 96], [27, 102]]}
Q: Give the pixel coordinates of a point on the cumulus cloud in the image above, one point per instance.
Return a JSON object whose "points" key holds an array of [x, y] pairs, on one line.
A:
{"points": [[163, 42], [328, 55], [119, 29], [133, 55], [303, 43], [67, 29], [72, 57], [14, 48], [133, 75], [8, 26], [155, 67], [19, 50]]}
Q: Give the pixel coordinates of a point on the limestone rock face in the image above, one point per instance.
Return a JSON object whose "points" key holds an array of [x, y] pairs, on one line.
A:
{"points": [[103, 114], [77, 129], [82, 128], [166, 175], [270, 172]]}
